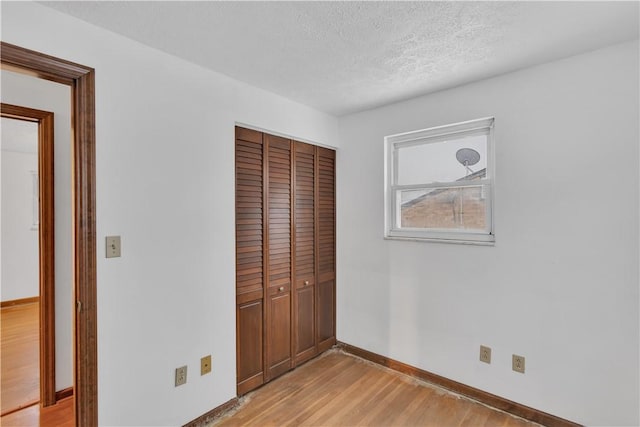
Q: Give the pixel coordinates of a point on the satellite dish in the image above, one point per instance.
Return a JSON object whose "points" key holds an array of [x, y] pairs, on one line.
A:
{"points": [[467, 156]]}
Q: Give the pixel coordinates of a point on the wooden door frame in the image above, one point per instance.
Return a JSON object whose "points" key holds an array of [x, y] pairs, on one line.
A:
{"points": [[46, 247], [81, 79]]}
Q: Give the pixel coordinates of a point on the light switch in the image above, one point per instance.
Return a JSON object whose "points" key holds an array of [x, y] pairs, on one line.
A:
{"points": [[113, 246]]}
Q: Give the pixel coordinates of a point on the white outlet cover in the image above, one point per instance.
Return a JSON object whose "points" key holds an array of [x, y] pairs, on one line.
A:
{"points": [[485, 354], [181, 376], [517, 363]]}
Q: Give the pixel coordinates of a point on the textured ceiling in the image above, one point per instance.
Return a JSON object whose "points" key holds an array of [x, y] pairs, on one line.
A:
{"points": [[343, 57]]}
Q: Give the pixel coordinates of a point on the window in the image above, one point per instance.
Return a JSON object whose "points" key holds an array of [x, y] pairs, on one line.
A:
{"points": [[439, 183]]}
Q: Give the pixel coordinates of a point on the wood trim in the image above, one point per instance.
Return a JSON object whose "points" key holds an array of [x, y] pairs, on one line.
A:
{"points": [[47, 261], [86, 366], [265, 258], [25, 61], [210, 416], [316, 244], [335, 245], [64, 393], [481, 396], [19, 301], [81, 79], [293, 312], [46, 244]]}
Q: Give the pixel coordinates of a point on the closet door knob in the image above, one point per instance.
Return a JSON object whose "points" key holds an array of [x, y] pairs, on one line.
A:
{"points": [[306, 282], [281, 288]]}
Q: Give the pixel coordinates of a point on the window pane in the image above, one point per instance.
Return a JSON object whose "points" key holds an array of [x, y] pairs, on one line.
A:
{"points": [[453, 208], [437, 161]]}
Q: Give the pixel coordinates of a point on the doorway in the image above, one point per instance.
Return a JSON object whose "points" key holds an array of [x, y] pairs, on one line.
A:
{"points": [[28, 320], [81, 79]]}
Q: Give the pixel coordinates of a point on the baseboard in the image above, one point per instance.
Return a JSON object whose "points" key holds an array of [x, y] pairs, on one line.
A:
{"points": [[489, 399], [64, 393], [19, 301], [205, 419]]}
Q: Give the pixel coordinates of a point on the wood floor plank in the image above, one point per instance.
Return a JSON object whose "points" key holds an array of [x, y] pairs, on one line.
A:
{"points": [[58, 415], [408, 399], [372, 412], [20, 383], [495, 419], [452, 408], [421, 415], [323, 396], [275, 414], [338, 389], [476, 416], [356, 394]]}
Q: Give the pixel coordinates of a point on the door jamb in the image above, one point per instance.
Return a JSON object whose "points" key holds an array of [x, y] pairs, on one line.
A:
{"points": [[81, 79], [46, 248]]}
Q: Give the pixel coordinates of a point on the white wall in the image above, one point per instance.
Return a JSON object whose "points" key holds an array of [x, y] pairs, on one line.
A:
{"points": [[20, 269], [165, 183], [44, 95], [560, 287]]}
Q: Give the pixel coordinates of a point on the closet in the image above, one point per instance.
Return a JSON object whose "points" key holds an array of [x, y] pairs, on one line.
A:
{"points": [[285, 255]]}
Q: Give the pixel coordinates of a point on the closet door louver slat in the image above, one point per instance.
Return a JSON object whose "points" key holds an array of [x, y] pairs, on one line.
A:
{"points": [[326, 248], [278, 326], [305, 252], [249, 259]]}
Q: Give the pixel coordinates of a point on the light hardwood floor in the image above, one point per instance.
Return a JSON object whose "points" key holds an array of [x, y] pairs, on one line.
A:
{"points": [[338, 389], [20, 384], [58, 415]]}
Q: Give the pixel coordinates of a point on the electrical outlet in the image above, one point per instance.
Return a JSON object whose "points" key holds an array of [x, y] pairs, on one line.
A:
{"points": [[485, 354], [205, 365], [181, 375], [517, 363]]}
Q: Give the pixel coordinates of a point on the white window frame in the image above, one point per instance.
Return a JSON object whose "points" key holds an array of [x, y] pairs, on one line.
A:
{"points": [[392, 143]]}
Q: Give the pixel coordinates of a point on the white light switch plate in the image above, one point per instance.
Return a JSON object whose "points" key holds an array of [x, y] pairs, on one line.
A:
{"points": [[113, 246]]}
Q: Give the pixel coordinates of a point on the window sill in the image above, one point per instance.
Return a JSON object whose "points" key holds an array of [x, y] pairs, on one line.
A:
{"points": [[486, 241]]}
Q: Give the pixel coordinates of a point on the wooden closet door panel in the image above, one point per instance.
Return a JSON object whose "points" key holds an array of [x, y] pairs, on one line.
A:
{"points": [[305, 251], [250, 363], [249, 260], [305, 320], [279, 333], [278, 315], [326, 247], [326, 296]]}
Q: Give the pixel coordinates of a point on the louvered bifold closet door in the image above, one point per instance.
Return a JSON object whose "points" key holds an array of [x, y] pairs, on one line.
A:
{"points": [[304, 252], [285, 255], [278, 326], [326, 248], [249, 259]]}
